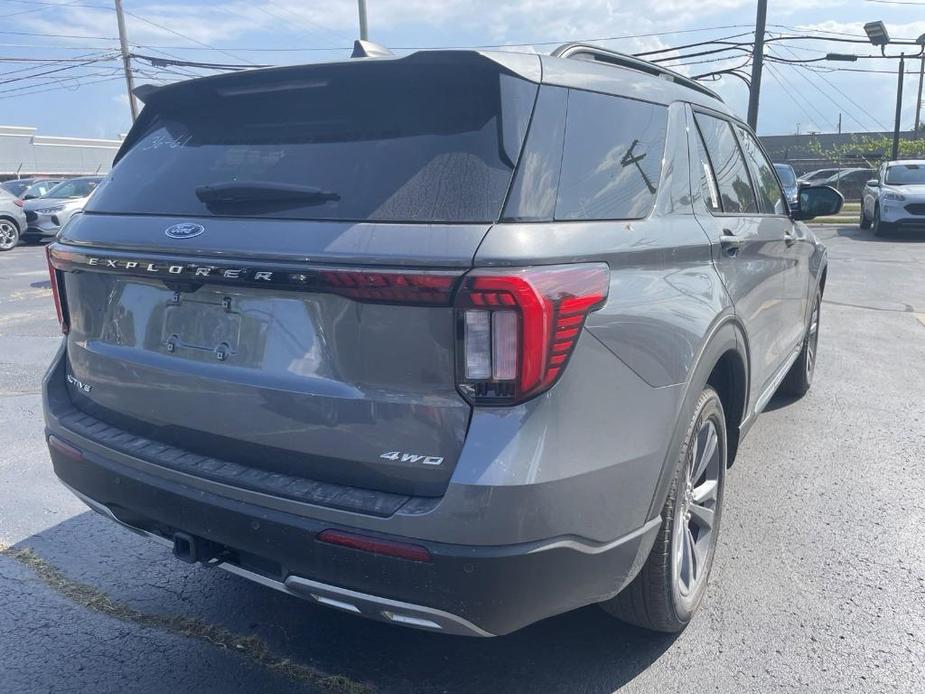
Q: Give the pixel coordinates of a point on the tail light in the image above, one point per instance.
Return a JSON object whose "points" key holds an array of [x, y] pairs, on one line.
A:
{"points": [[518, 327], [19, 203], [57, 292]]}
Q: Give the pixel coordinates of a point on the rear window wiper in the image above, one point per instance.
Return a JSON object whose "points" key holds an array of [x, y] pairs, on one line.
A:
{"points": [[236, 192]]}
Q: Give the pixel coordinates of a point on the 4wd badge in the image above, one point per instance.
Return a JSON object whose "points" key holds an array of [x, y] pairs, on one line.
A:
{"points": [[399, 457]]}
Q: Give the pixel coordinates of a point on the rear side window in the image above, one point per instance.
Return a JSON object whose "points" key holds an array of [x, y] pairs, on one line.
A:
{"points": [[770, 198], [413, 140], [707, 180], [612, 158], [735, 188]]}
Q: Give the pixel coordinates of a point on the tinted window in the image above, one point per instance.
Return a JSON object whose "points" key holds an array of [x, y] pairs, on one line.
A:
{"points": [[612, 158], [77, 188], [770, 198], [15, 188], [784, 171], [418, 139], [533, 195], [905, 174], [735, 188], [707, 179]]}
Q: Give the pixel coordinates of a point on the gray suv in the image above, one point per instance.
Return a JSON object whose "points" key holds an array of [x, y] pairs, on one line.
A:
{"points": [[458, 340]]}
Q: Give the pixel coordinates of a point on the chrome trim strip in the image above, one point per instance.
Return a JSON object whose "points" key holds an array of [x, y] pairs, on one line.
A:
{"points": [[377, 607], [585, 548], [374, 607]]}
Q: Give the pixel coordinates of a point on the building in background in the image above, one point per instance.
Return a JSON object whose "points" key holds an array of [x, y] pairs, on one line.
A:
{"points": [[25, 154]]}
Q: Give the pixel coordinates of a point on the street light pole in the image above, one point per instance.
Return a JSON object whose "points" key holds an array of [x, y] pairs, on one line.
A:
{"points": [[126, 60], [899, 105], [918, 102], [364, 29], [754, 89]]}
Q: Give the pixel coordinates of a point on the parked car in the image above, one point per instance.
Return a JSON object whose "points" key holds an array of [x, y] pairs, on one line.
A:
{"points": [[788, 180], [28, 188], [850, 182], [895, 199], [817, 177], [438, 340], [46, 215], [12, 220]]}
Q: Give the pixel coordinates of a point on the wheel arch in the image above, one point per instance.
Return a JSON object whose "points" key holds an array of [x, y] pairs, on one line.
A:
{"points": [[12, 220], [723, 364]]}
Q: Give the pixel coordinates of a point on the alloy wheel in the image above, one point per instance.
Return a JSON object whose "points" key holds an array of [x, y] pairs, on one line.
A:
{"points": [[695, 517], [8, 235]]}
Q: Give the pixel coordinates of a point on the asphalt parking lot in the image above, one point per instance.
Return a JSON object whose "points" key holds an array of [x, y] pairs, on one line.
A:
{"points": [[819, 584]]}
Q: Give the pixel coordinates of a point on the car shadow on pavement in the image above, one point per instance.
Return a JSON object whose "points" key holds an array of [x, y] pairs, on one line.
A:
{"points": [[585, 650]]}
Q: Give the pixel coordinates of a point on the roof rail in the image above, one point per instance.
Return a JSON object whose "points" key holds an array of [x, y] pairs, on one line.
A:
{"points": [[583, 51]]}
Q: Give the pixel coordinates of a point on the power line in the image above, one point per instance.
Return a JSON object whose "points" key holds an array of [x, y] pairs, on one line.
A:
{"points": [[184, 36], [840, 107], [56, 70], [21, 92], [791, 94], [858, 106]]}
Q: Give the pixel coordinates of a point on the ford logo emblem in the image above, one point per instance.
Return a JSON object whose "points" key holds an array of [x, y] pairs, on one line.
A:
{"points": [[187, 230]]}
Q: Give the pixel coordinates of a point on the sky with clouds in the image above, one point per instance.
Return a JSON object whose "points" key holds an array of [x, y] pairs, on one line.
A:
{"points": [[81, 93]]}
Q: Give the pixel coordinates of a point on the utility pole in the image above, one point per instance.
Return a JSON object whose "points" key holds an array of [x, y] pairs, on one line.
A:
{"points": [[126, 60], [364, 29], [918, 103], [839, 123], [899, 104], [757, 64]]}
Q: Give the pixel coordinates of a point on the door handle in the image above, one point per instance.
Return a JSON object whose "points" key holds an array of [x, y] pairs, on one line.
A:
{"points": [[730, 242]]}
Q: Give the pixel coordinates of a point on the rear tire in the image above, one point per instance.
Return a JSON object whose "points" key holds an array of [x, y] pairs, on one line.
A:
{"points": [[9, 235], [671, 584], [800, 377]]}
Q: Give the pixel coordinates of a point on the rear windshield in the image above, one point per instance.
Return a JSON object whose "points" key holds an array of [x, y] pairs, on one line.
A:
{"points": [[393, 141], [905, 174], [14, 188]]}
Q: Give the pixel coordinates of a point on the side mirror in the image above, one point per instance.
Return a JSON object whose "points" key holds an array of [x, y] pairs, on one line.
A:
{"points": [[874, 183], [817, 201], [29, 197]]}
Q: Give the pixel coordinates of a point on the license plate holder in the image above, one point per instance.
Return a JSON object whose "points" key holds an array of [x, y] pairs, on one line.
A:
{"points": [[201, 328]]}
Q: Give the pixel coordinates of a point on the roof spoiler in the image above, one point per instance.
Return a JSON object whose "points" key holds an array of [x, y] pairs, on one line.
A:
{"points": [[144, 91]]}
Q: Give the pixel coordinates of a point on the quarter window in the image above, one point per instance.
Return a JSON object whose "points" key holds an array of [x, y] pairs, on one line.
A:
{"points": [[732, 180], [612, 158]]}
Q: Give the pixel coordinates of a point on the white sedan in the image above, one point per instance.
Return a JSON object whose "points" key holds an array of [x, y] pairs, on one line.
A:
{"points": [[896, 198]]}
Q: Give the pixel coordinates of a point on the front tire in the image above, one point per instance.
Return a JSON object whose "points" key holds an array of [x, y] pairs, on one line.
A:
{"points": [[864, 222], [879, 227], [800, 377], [670, 587], [9, 235]]}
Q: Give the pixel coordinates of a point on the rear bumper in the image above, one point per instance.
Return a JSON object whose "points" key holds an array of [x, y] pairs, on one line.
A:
{"points": [[40, 232], [477, 590]]}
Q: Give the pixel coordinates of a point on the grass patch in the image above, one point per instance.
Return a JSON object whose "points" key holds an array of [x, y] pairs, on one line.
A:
{"points": [[250, 647]]}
